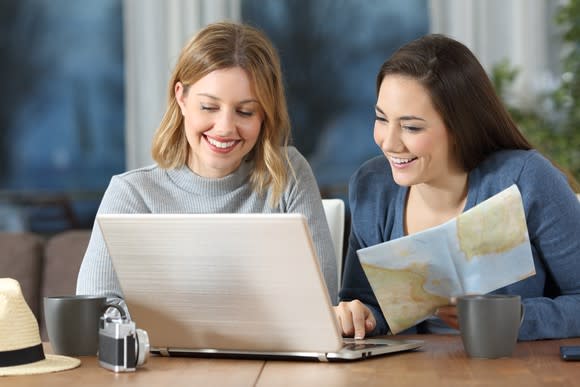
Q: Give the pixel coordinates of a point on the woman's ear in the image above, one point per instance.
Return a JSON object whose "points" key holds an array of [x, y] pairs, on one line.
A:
{"points": [[180, 95]]}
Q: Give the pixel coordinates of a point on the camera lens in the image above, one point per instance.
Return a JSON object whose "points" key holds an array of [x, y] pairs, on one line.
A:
{"points": [[141, 346]]}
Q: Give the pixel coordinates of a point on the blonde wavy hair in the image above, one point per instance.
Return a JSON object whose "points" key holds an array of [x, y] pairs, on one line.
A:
{"points": [[226, 45]]}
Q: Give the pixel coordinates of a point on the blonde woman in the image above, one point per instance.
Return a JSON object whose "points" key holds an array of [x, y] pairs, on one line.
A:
{"points": [[221, 147]]}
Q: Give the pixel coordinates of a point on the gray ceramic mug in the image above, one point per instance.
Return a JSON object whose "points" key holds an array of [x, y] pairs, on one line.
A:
{"points": [[72, 323], [490, 324]]}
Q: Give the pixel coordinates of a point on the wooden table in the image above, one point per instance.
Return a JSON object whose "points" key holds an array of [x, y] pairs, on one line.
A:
{"points": [[440, 362]]}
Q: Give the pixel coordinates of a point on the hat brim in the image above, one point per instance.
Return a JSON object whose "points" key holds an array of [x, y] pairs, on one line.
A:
{"points": [[52, 363]]}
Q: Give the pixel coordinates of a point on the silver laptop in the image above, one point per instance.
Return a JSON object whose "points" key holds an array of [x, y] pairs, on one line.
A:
{"points": [[230, 285]]}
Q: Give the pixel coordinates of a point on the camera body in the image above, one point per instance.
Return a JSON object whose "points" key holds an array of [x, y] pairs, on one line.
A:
{"points": [[122, 347]]}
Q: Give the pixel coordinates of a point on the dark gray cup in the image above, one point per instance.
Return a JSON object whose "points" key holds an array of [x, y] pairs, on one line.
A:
{"points": [[490, 324], [72, 323]]}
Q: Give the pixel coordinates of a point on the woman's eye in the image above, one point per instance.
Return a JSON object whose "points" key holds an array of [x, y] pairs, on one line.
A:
{"points": [[382, 119], [208, 108], [411, 128], [245, 113]]}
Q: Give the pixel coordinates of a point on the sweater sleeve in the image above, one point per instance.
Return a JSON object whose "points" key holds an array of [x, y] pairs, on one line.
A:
{"points": [[553, 218], [97, 275], [303, 197]]}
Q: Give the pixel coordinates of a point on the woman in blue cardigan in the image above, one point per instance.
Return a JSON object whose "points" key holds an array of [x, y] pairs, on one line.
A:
{"points": [[448, 145]]}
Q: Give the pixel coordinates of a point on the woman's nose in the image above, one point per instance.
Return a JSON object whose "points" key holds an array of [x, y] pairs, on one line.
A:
{"points": [[225, 123], [389, 138]]}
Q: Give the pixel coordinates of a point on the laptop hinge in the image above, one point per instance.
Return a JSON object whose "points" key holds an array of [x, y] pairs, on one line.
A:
{"points": [[322, 357], [164, 352]]}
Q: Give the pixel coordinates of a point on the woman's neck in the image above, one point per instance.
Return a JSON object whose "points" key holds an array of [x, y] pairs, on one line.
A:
{"points": [[429, 205], [446, 196]]}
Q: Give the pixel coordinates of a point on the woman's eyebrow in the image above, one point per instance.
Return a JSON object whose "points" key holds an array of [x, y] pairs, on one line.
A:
{"points": [[218, 99], [208, 95], [407, 118], [402, 118]]}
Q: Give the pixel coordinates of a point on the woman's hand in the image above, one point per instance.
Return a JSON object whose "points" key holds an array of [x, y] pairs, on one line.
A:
{"points": [[448, 314], [355, 318]]}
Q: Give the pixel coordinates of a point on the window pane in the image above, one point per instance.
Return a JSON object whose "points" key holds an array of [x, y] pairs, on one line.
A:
{"points": [[62, 107], [331, 51]]}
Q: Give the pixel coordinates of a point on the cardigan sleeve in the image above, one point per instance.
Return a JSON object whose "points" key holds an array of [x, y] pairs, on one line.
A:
{"points": [[355, 285], [553, 218]]}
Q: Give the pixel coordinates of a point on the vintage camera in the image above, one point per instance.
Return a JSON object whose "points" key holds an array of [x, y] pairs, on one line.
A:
{"points": [[122, 347]]}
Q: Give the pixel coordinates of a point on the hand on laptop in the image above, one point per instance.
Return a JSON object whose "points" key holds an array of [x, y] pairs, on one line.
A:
{"points": [[354, 318]]}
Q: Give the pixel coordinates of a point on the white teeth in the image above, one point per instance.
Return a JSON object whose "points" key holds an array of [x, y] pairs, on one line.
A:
{"points": [[397, 160], [220, 144]]}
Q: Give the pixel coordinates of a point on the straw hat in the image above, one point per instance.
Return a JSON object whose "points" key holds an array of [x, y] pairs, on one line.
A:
{"points": [[21, 350]]}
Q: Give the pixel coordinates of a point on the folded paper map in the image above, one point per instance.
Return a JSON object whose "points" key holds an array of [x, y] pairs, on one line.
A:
{"points": [[483, 249]]}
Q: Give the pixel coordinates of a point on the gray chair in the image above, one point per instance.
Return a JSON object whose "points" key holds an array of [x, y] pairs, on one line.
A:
{"points": [[334, 210]]}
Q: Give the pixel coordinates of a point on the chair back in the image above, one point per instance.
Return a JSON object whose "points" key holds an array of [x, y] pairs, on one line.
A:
{"points": [[334, 210]]}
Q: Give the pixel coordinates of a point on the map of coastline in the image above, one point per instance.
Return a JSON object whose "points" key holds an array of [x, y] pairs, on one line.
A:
{"points": [[483, 249], [405, 294]]}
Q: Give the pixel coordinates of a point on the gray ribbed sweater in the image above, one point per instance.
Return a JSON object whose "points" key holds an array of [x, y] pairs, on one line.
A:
{"points": [[156, 190]]}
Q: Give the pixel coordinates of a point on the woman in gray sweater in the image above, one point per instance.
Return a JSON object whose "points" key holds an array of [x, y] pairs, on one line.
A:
{"points": [[221, 147]]}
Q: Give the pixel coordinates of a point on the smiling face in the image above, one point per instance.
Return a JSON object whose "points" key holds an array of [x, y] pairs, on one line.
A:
{"points": [[412, 134], [222, 119]]}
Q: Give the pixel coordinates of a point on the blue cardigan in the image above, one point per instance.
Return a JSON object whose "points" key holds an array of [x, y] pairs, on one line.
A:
{"points": [[551, 297]]}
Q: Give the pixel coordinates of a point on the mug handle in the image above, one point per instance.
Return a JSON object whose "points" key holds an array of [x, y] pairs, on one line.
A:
{"points": [[523, 312]]}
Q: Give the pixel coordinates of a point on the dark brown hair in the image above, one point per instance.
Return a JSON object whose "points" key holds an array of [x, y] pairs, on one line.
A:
{"points": [[462, 94]]}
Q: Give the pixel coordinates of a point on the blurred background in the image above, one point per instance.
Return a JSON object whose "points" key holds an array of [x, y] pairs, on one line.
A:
{"points": [[84, 83]]}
